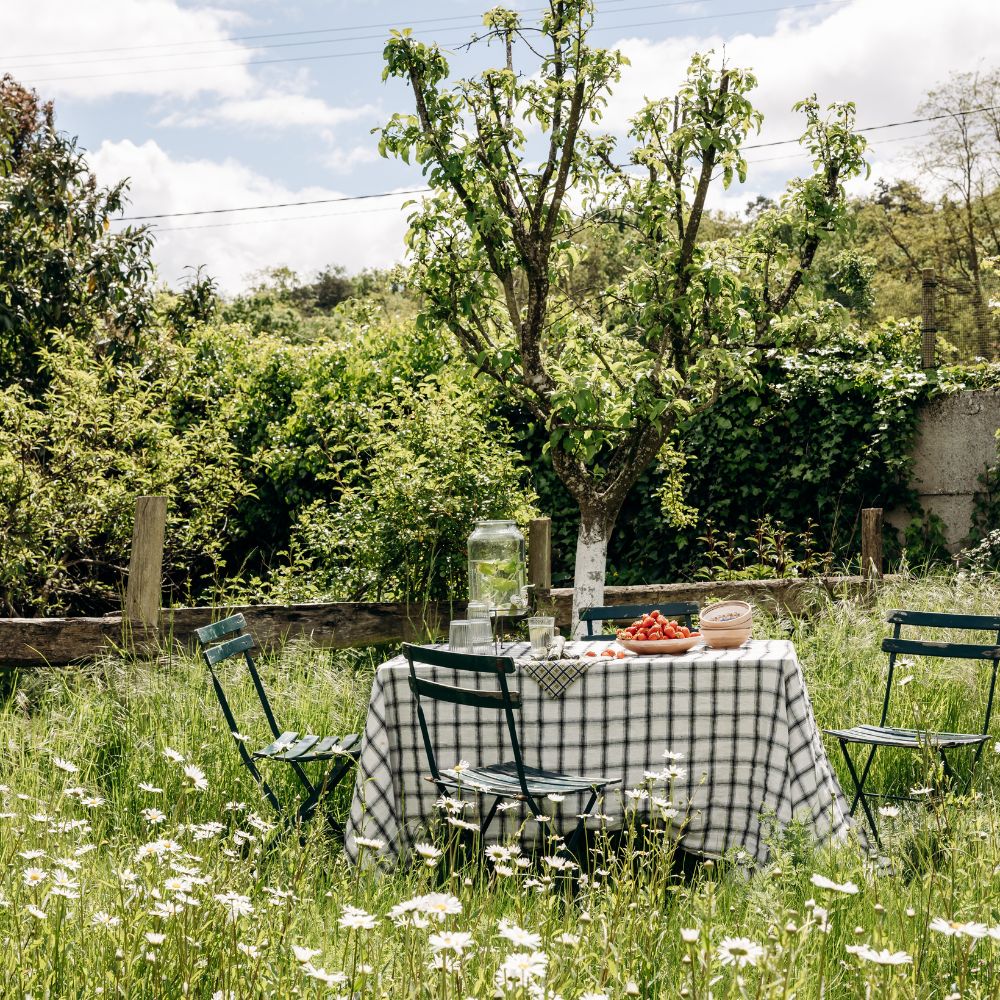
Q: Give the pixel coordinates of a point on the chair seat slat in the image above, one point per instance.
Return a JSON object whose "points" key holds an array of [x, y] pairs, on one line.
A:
{"points": [[296, 750], [885, 736], [283, 742]]}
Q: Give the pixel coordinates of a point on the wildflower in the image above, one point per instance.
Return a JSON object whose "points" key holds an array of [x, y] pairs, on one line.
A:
{"points": [[883, 957], [520, 937], [903, 681], [177, 883], [31, 855], [63, 880], [370, 842], [250, 950], [632, 989], [952, 928], [153, 938], [330, 978], [235, 806], [429, 853], [553, 797], [497, 853], [441, 961], [637, 794], [439, 905], [690, 934], [84, 849], [522, 968], [924, 790], [92, 801], [822, 882], [669, 755], [462, 765], [164, 910], [152, 789], [593, 996], [558, 863], [197, 776], [36, 912], [173, 755], [34, 876], [738, 951], [304, 954], [236, 906], [354, 919], [568, 939], [456, 941], [675, 773], [153, 816], [102, 919], [890, 811], [463, 824], [65, 765]]}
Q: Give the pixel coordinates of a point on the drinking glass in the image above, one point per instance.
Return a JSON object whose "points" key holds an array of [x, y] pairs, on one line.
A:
{"points": [[461, 636], [541, 630]]}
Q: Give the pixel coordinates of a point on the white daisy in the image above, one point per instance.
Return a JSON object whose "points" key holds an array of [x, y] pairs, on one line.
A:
{"points": [[738, 951], [822, 882]]}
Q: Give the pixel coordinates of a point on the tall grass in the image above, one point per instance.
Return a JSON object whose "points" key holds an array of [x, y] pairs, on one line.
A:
{"points": [[137, 860]]}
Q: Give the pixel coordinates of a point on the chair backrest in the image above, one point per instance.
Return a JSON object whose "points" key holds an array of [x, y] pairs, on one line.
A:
{"points": [[984, 652], [222, 640], [500, 699], [681, 610]]}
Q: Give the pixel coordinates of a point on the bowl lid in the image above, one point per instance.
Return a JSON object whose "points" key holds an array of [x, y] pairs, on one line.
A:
{"points": [[726, 614]]}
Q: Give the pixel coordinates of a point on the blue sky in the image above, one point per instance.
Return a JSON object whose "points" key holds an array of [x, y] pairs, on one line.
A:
{"points": [[243, 102]]}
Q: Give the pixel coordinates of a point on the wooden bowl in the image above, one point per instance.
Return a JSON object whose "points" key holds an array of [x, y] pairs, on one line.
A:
{"points": [[651, 647]]}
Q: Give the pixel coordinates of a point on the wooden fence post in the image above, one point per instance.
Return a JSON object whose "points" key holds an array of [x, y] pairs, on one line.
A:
{"points": [[928, 327], [540, 553], [143, 591], [871, 543]]}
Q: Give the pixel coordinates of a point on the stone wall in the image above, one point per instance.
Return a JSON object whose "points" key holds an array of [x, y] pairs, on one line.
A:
{"points": [[955, 445]]}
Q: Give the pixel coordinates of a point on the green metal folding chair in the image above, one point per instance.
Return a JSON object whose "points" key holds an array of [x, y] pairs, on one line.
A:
{"points": [[682, 610], [876, 737], [288, 746], [511, 779]]}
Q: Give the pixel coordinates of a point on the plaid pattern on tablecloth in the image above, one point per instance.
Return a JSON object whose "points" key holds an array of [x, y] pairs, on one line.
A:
{"points": [[741, 718]]}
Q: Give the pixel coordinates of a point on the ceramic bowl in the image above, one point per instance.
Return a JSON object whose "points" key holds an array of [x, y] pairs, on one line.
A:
{"points": [[726, 638], [726, 615], [654, 646]]}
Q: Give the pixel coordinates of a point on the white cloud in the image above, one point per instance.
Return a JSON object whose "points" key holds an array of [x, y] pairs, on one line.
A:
{"points": [[91, 49], [307, 238], [343, 161], [882, 54], [273, 109]]}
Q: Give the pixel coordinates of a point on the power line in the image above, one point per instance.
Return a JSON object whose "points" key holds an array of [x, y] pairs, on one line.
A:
{"points": [[424, 190], [283, 218], [390, 208], [370, 52], [472, 22], [277, 204]]}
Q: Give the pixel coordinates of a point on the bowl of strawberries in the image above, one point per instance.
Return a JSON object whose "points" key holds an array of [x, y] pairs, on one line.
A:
{"points": [[653, 633]]}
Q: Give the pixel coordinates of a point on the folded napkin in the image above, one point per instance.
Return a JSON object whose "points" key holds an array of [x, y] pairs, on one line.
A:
{"points": [[561, 665]]}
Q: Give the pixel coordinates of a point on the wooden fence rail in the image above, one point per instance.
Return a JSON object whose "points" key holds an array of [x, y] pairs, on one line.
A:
{"points": [[34, 642]]}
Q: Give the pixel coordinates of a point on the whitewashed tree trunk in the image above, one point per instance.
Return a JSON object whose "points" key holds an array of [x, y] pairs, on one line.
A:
{"points": [[591, 565]]}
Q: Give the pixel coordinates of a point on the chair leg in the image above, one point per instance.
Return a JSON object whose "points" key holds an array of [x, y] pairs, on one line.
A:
{"points": [[581, 825], [485, 825], [248, 763], [860, 793]]}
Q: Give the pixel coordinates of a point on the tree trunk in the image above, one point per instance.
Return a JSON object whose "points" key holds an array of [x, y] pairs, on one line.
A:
{"points": [[591, 559]]}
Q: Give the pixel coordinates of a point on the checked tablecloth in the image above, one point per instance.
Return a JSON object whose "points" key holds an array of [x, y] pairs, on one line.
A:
{"points": [[742, 720]]}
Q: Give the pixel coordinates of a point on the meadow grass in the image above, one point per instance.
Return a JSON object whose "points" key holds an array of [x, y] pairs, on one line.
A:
{"points": [[137, 859]]}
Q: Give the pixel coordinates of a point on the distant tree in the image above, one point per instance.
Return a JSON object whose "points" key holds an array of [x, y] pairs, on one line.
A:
{"points": [[611, 374], [61, 269]]}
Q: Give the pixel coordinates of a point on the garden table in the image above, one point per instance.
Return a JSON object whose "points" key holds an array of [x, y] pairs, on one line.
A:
{"points": [[741, 718]]}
